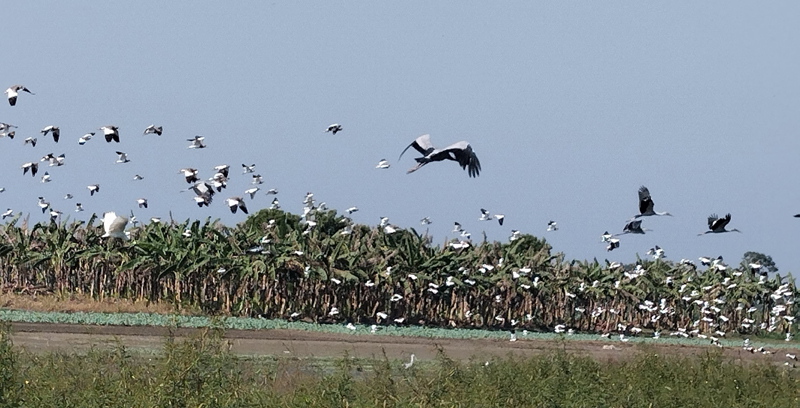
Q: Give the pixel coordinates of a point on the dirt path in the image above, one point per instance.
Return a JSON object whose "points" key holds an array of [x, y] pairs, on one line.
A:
{"points": [[36, 337]]}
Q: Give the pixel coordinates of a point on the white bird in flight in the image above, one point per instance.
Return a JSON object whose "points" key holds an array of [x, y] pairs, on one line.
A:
{"points": [[5, 130], [53, 130], [111, 132], [252, 191], [236, 202], [32, 166], [13, 91], [383, 164], [93, 188], [122, 157], [85, 138], [152, 129], [197, 142], [334, 128], [114, 226], [43, 204]]}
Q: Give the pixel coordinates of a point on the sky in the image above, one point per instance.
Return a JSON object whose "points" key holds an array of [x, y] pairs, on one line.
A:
{"points": [[570, 107]]}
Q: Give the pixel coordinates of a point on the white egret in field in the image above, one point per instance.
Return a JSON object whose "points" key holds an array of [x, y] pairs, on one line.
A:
{"points": [[409, 363]]}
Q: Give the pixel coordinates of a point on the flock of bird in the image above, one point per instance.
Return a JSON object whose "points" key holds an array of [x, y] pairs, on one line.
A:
{"points": [[204, 191]]}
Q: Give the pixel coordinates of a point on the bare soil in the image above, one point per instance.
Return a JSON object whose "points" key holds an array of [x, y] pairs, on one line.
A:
{"points": [[40, 337]]}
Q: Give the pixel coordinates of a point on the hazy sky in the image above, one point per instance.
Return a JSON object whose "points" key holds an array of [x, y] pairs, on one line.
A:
{"points": [[569, 106]]}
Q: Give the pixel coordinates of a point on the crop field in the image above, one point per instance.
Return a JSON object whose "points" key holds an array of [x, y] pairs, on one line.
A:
{"points": [[271, 313], [273, 266]]}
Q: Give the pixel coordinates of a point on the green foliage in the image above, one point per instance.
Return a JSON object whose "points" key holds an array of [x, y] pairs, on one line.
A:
{"points": [[276, 265], [764, 260], [9, 378], [201, 371]]}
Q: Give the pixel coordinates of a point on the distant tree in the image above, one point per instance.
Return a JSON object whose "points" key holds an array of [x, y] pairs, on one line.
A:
{"points": [[762, 259]]}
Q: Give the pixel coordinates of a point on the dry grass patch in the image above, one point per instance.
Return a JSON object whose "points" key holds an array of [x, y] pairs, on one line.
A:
{"points": [[81, 303]]}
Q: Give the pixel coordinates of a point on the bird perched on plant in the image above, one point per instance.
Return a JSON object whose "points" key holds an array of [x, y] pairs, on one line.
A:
{"points": [[716, 225], [460, 152], [656, 252], [334, 128], [114, 226], [111, 132], [13, 91], [54, 214]]}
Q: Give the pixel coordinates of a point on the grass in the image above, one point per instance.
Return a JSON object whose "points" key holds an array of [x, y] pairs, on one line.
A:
{"points": [[200, 371], [45, 302]]}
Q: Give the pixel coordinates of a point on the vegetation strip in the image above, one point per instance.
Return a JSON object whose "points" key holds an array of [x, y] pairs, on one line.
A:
{"points": [[286, 269], [203, 372], [251, 324]]}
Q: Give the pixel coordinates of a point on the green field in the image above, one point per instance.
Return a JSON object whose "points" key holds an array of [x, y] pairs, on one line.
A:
{"points": [[200, 371]]}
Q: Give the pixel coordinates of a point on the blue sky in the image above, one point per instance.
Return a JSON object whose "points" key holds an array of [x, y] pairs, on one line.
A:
{"points": [[570, 108]]}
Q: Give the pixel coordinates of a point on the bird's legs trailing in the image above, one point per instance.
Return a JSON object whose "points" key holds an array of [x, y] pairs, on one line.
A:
{"points": [[421, 161]]}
